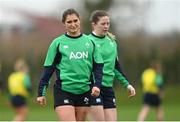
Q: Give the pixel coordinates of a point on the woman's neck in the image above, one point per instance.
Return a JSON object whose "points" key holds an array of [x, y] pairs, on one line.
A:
{"points": [[74, 34], [97, 34]]}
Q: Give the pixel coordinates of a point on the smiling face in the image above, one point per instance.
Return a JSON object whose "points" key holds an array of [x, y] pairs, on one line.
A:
{"points": [[72, 25], [101, 27]]}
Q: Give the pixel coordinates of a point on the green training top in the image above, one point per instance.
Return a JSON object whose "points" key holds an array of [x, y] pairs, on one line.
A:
{"points": [[111, 69], [73, 59]]}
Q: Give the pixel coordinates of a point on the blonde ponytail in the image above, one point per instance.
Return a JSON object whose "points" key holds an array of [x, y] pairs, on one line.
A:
{"points": [[111, 36]]}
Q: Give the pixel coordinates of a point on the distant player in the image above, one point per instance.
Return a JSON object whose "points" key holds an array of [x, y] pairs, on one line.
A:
{"points": [[19, 86], [152, 82]]}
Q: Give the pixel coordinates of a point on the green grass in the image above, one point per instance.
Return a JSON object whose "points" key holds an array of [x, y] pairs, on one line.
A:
{"points": [[128, 109]]}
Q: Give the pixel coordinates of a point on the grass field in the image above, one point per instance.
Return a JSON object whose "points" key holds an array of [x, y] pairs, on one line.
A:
{"points": [[128, 109]]}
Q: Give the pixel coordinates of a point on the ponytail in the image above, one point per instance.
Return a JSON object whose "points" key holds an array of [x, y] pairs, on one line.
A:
{"points": [[111, 36]]}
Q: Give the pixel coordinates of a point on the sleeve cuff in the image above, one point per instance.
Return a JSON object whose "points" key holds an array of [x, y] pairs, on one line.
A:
{"points": [[97, 84]]}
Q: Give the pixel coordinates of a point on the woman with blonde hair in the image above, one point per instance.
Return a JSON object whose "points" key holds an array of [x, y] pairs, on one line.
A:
{"points": [[105, 104]]}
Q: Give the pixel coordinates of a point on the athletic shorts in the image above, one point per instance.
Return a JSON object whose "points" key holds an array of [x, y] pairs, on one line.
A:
{"points": [[62, 98], [18, 101], [152, 99], [106, 98]]}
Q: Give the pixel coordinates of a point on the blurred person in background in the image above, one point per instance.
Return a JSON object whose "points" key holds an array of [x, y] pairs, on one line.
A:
{"points": [[73, 56], [152, 82], [104, 107], [19, 86], [1, 78]]}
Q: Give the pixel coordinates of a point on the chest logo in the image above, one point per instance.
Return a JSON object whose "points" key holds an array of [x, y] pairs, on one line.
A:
{"points": [[78, 55], [65, 46], [112, 44], [87, 45], [98, 45]]}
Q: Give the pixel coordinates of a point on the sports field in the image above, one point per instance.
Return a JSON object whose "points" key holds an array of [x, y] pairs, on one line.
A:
{"points": [[127, 108]]}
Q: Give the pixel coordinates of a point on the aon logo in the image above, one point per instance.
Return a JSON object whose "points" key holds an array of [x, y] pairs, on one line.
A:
{"points": [[78, 55]]}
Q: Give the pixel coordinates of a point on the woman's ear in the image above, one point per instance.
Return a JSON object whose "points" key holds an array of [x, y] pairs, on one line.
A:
{"points": [[93, 25], [64, 25]]}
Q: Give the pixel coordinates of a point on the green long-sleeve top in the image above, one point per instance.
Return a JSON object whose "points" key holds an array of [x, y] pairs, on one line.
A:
{"points": [[111, 68], [73, 59]]}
